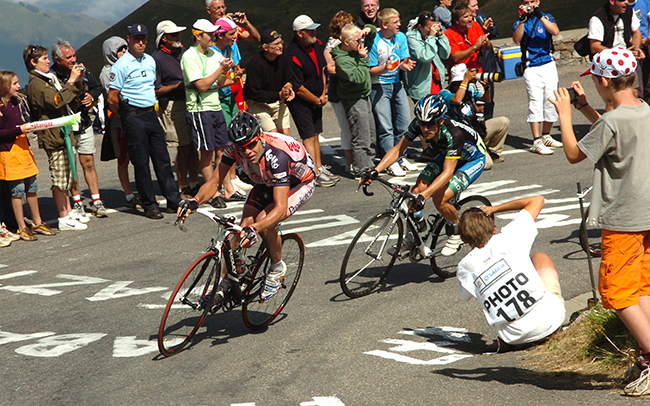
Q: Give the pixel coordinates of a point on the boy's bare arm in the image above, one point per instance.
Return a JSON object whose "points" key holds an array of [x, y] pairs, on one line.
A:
{"points": [[562, 103], [532, 205]]}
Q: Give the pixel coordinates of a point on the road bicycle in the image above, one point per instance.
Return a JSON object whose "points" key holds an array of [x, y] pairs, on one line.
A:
{"points": [[590, 236], [378, 244], [194, 296]]}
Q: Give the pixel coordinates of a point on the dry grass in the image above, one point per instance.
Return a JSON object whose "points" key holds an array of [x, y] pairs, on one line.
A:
{"points": [[595, 350]]}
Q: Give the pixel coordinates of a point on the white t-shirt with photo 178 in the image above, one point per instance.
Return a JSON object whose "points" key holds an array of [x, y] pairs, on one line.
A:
{"points": [[502, 277]]}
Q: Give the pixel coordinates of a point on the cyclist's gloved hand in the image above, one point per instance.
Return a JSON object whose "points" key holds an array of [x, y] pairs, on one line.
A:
{"points": [[250, 234], [369, 175], [537, 12], [418, 203], [191, 204]]}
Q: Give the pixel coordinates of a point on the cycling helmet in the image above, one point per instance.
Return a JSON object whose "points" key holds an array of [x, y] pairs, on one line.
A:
{"points": [[430, 108], [243, 128]]}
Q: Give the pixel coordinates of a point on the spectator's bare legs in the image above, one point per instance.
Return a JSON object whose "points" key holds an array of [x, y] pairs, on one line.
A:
{"points": [[123, 175], [62, 202], [637, 319], [312, 145], [32, 202], [535, 128], [228, 187], [206, 165], [187, 163]]}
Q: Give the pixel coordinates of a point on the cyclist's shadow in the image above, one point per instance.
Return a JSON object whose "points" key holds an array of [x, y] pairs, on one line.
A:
{"points": [[219, 328], [404, 273]]}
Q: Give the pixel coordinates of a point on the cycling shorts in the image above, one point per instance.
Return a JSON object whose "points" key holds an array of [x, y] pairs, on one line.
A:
{"points": [[261, 196], [466, 172]]}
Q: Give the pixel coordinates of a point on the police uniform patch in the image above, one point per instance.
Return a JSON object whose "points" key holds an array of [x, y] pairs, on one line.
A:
{"points": [[111, 76]]}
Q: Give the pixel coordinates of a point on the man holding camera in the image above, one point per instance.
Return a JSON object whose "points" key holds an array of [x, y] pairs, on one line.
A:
{"points": [[245, 30], [534, 31], [65, 58]]}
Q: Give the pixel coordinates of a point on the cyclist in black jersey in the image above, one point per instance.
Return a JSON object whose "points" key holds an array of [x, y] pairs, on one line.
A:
{"points": [[459, 161]]}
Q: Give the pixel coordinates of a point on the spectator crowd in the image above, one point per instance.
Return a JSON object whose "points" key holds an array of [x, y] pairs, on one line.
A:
{"points": [[371, 71]]}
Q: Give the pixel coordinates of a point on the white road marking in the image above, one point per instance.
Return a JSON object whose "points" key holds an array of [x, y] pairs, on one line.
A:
{"points": [[55, 346], [120, 289], [323, 401], [125, 347], [16, 274], [43, 289]]}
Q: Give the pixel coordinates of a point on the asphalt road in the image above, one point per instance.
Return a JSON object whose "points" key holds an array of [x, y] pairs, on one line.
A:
{"points": [[81, 309]]}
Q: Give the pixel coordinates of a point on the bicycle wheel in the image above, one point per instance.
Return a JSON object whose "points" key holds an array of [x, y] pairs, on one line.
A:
{"points": [[367, 262], [258, 314], [188, 305], [590, 237], [446, 266]]}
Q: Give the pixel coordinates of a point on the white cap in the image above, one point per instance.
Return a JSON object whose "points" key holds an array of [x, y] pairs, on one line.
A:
{"points": [[204, 25], [166, 27], [304, 22], [458, 72]]}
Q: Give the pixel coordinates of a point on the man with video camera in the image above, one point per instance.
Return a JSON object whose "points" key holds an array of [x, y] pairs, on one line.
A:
{"points": [[466, 89], [534, 31]]}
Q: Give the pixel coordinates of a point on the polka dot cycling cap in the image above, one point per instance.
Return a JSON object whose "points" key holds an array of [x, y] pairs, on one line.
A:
{"points": [[612, 63]]}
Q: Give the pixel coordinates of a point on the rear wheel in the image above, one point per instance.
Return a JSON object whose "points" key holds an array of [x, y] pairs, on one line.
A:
{"points": [[257, 313], [188, 305], [446, 266], [367, 262], [590, 237]]}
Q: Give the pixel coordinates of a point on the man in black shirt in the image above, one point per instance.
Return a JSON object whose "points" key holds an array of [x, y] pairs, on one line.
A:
{"points": [[170, 92], [268, 84]]}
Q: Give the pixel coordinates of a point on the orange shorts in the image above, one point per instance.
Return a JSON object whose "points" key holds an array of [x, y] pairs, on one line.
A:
{"points": [[624, 268]]}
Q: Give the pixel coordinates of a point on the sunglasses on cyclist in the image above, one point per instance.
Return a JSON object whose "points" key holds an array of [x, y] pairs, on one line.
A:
{"points": [[250, 144]]}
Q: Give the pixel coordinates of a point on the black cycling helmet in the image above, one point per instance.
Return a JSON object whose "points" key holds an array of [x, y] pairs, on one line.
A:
{"points": [[430, 108], [243, 128]]}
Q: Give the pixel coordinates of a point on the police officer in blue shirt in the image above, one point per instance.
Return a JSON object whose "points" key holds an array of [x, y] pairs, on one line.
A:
{"points": [[131, 95]]}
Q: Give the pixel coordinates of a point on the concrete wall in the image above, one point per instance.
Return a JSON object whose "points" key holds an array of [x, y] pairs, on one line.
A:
{"points": [[564, 52]]}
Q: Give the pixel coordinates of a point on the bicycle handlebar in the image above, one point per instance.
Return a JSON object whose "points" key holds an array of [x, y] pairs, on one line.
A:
{"points": [[227, 222], [404, 189]]}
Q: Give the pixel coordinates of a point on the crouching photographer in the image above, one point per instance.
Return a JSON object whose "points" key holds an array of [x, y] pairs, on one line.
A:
{"points": [[466, 95], [534, 31]]}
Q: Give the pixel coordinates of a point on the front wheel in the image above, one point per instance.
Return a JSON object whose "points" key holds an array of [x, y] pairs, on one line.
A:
{"points": [[257, 313], [367, 260], [188, 305], [446, 266]]}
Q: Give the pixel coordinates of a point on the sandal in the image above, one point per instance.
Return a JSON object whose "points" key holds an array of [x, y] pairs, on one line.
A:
{"points": [[238, 196], [27, 234], [43, 228]]}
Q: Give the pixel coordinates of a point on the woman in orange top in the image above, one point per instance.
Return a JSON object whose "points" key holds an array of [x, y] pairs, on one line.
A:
{"points": [[17, 165]]}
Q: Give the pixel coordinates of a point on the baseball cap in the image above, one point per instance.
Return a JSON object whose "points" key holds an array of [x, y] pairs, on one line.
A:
{"points": [[458, 72], [224, 25], [612, 63], [137, 29], [303, 22], [269, 36], [203, 25], [166, 27]]}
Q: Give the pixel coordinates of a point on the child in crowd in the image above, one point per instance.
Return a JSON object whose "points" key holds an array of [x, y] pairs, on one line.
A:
{"points": [[520, 295], [351, 61], [619, 147], [17, 165]]}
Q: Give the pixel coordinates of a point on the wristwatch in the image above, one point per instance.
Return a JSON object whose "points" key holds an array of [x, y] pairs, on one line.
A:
{"points": [[320, 103]]}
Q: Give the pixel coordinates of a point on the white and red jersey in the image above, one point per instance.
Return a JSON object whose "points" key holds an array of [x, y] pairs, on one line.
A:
{"points": [[285, 161]]}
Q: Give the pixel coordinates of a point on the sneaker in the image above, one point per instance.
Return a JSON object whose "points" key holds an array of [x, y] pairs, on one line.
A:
{"points": [[26, 234], [4, 233], [407, 166], [539, 148], [451, 247], [640, 386], [5, 242], [633, 373], [98, 209], [240, 184], [273, 283], [395, 170], [43, 229], [79, 213], [134, 202], [407, 244], [70, 224], [322, 180], [326, 170], [550, 142]]}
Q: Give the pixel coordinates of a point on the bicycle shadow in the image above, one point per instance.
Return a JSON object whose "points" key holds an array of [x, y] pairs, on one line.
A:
{"points": [[573, 238], [219, 328], [566, 381], [401, 274]]}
